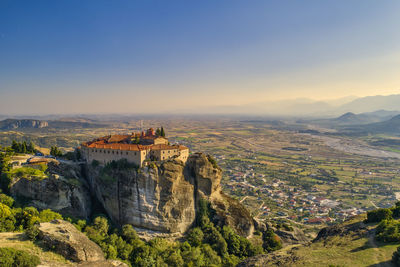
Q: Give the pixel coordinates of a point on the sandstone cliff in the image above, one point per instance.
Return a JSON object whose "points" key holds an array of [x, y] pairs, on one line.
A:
{"points": [[10, 124], [163, 197], [63, 190]]}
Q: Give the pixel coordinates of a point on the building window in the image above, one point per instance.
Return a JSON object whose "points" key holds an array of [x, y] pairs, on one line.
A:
{"points": [[127, 153], [135, 153]]}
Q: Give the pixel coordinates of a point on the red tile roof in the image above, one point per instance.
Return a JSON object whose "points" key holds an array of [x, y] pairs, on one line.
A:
{"points": [[114, 142], [118, 138]]}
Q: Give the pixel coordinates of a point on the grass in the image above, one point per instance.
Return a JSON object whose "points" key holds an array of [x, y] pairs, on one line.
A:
{"points": [[347, 250], [19, 241]]}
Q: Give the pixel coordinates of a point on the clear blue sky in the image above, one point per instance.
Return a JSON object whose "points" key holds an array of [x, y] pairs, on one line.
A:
{"points": [[61, 56]]}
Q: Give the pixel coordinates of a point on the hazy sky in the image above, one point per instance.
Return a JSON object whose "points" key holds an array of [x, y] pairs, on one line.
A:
{"points": [[150, 56]]}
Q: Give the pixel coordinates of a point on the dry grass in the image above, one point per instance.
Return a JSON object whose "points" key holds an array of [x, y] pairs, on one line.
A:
{"points": [[20, 242]]}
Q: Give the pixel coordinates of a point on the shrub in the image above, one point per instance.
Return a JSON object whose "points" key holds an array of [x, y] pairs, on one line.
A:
{"points": [[396, 257], [95, 163], [128, 233], [12, 257], [195, 237], [7, 220], [49, 215], [378, 215], [212, 161], [271, 241], [6, 200], [32, 232], [388, 231]]}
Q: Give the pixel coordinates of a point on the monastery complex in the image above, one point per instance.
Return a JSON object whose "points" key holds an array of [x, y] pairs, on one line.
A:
{"points": [[137, 148]]}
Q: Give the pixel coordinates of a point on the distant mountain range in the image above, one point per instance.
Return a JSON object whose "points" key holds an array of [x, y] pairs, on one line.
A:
{"points": [[303, 107], [351, 118], [299, 107]]}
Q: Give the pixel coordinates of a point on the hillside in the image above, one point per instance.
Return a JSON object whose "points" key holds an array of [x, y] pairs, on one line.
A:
{"points": [[351, 243], [391, 126]]}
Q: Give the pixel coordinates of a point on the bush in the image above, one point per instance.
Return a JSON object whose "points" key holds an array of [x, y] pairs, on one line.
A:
{"points": [[7, 220], [6, 200], [12, 257], [378, 215], [271, 241], [95, 163], [49, 215], [396, 257], [212, 161], [32, 232], [195, 237], [388, 231], [128, 233]]}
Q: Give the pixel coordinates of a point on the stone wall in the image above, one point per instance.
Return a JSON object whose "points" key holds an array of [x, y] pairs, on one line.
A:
{"points": [[106, 155]]}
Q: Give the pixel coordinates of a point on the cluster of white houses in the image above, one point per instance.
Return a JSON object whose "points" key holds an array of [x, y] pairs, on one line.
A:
{"points": [[135, 147]]}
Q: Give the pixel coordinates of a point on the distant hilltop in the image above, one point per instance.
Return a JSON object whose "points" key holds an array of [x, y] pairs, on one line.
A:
{"points": [[26, 124], [136, 148], [10, 124]]}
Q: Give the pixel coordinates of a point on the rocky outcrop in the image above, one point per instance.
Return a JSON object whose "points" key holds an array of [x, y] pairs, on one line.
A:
{"points": [[296, 236], [66, 240], [10, 124], [157, 198], [206, 176], [163, 197], [63, 190]]}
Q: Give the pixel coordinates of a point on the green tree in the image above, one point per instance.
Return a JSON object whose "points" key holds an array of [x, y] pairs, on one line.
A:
{"points": [[55, 151], [128, 233], [195, 237], [379, 215], [49, 215], [6, 200], [162, 132], [271, 241]]}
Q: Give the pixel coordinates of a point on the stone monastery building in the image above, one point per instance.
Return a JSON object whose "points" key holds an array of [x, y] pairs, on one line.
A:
{"points": [[135, 147]]}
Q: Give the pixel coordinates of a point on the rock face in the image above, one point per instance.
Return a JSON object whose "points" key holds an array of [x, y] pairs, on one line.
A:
{"points": [[69, 242], [62, 191], [10, 124], [164, 197], [296, 236], [156, 198]]}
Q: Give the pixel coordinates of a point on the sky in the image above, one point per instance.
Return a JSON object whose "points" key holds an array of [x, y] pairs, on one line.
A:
{"points": [[120, 56]]}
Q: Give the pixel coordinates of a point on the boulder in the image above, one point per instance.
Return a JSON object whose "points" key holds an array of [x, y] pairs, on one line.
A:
{"points": [[65, 239]]}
